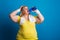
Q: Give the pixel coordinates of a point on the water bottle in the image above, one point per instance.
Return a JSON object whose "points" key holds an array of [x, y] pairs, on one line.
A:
{"points": [[32, 9]]}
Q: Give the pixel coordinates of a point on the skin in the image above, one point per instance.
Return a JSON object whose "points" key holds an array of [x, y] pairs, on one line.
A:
{"points": [[25, 13]]}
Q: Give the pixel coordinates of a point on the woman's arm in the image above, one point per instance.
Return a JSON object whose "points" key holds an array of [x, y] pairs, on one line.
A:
{"points": [[40, 17], [13, 15]]}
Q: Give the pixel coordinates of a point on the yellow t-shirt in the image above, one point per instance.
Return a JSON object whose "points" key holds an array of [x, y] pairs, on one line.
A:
{"points": [[27, 28]]}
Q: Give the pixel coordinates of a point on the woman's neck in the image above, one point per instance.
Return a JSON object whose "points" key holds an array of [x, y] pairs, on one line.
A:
{"points": [[26, 17]]}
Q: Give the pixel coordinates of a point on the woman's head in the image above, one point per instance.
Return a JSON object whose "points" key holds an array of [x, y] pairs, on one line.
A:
{"points": [[24, 10]]}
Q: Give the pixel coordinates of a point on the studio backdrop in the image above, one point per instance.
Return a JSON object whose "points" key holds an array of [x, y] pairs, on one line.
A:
{"points": [[48, 30]]}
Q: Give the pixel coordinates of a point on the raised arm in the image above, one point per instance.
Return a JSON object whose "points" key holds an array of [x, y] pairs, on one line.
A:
{"points": [[13, 15], [40, 17]]}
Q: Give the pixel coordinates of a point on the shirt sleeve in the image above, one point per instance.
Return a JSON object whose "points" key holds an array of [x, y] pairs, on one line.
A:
{"points": [[35, 18]]}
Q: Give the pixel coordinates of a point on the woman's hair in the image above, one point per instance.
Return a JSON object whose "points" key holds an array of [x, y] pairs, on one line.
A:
{"points": [[22, 9]]}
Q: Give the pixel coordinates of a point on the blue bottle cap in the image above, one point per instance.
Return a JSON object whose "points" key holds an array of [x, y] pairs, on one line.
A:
{"points": [[32, 9]]}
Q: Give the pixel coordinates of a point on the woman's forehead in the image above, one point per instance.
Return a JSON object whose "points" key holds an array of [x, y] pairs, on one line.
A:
{"points": [[26, 7]]}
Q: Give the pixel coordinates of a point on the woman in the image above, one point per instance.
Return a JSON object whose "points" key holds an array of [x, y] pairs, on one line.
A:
{"points": [[27, 23]]}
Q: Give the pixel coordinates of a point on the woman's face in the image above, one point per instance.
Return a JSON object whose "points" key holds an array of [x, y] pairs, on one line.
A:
{"points": [[25, 10]]}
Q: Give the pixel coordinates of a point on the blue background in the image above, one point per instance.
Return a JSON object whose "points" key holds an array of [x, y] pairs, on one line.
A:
{"points": [[48, 30]]}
